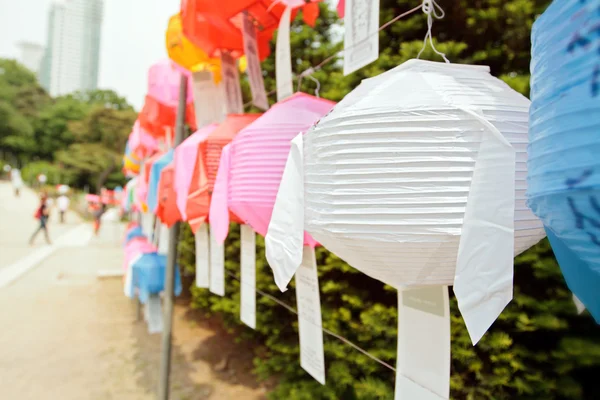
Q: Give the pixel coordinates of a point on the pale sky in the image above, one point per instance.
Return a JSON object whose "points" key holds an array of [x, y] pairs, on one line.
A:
{"points": [[132, 38]]}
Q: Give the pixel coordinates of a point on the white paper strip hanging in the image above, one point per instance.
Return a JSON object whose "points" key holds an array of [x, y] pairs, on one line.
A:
{"points": [[423, 362], [208, 99], [312, 357], [234, 103], [163, 239], [283, 58], [578, 305], [361, 41], [202, 257], [153, 309], [248, 276], [257, 84], [217, 266], [147, 224]]}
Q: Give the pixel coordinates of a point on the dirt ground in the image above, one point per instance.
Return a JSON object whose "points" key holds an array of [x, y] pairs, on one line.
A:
{"points": [[65, 334]]}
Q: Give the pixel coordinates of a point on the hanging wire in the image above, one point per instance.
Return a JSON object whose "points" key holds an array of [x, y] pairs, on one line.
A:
{"points": [[332, 57], [327, 331], [432, 9]]}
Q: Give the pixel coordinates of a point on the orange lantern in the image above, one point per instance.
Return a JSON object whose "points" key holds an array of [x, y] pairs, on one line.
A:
{"points": [[207, 165]]}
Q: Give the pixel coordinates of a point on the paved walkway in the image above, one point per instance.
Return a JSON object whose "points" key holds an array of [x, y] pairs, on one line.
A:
{"points": [[65, 334]]}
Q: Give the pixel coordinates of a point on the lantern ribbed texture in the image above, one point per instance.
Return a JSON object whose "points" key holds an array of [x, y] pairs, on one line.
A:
{"points": [[259, 153], [387, 173], [564, 153]]}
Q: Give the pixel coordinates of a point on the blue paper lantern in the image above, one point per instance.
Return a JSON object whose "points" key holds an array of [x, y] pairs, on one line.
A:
{"points": [[149, 275], [135, 232], [564, 149]]}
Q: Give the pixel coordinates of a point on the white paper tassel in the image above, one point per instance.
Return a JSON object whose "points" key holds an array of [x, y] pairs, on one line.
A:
{"points": [[248, 276], [202, 257]]}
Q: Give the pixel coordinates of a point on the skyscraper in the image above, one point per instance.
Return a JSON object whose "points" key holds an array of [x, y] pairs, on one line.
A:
{"points": [[31, 56], [72, 54]]}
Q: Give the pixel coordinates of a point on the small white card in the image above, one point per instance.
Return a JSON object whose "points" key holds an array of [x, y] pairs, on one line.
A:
{"points": [[248, 281], [163, 239], [234, 104], [147, 224], [423, 361], [154, 316], [202, 257], [217, 266], [208, 101], [283, 58], [257, 84], [361, 40], [312, 357]]}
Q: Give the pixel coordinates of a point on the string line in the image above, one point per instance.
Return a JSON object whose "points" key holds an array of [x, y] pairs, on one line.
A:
{"points": [[309, 71]]}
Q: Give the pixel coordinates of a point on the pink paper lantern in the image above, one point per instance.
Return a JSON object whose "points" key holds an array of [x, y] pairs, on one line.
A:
{"points": [[185, 161], [141, 142], [252, 164], [163, 83]]}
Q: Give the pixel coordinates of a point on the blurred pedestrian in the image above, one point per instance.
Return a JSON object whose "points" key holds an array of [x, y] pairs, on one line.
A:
{"points": [[42, 214], [63, 205], [17, 181], [98, 217]]}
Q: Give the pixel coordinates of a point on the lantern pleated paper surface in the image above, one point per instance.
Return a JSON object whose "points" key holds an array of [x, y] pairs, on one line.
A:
{"points": [[564, 153], [417, 177], [257, 158], [167, 210], [207, 165]]}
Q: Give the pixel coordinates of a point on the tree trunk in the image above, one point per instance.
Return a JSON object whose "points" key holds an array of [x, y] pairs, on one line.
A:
{"points": [[103, 177]]}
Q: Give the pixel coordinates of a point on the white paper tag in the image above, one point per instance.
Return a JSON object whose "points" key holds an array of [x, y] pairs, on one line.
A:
{"points": [[483, 281], [217, 266], [156, 232], [257, 84], [283, 58], [423, 362], [154, 314], [202, 257], [147, 224], [208, 101], [248, 278], [361, 41], [163, 239], [234, 103], [312, 357]]}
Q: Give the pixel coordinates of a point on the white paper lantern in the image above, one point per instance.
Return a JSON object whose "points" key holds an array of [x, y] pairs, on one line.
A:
{"points": [[416, 178]]}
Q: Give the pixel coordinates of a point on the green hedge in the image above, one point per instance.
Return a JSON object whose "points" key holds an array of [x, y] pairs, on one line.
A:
{"points": [[538, 349]]}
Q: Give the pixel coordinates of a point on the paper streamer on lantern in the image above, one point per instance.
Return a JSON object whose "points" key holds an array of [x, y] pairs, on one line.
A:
{"points": [[257, 85], [163, 239], [209, 101], [423, 361], [234, 103], [248, 276], [217, 266], [312, 357], [185, 158], [202, 243], [390, 184], [283, 58], [564, 161], [361, 41]]}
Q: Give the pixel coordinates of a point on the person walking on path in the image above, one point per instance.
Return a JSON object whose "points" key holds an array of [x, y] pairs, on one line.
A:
{"points": [[63, 205], [17, 181], [98, 217], [42, 214]]}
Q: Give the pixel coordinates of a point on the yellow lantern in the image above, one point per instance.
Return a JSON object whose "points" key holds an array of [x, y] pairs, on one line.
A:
{"points": [[186, 54]]}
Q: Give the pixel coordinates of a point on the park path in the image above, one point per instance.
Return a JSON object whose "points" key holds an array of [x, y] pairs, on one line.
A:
{"points": [[65, 334]]}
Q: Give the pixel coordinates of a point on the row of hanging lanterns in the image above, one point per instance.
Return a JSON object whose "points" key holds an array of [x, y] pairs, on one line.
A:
{"points": [[421, 191]]}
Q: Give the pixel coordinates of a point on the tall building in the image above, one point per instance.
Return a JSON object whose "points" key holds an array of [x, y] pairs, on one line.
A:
{"points": [[72, 56], [31, 56]]}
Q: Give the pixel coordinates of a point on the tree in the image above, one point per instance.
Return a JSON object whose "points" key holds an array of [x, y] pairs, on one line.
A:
{"points": [[98, 142]]}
